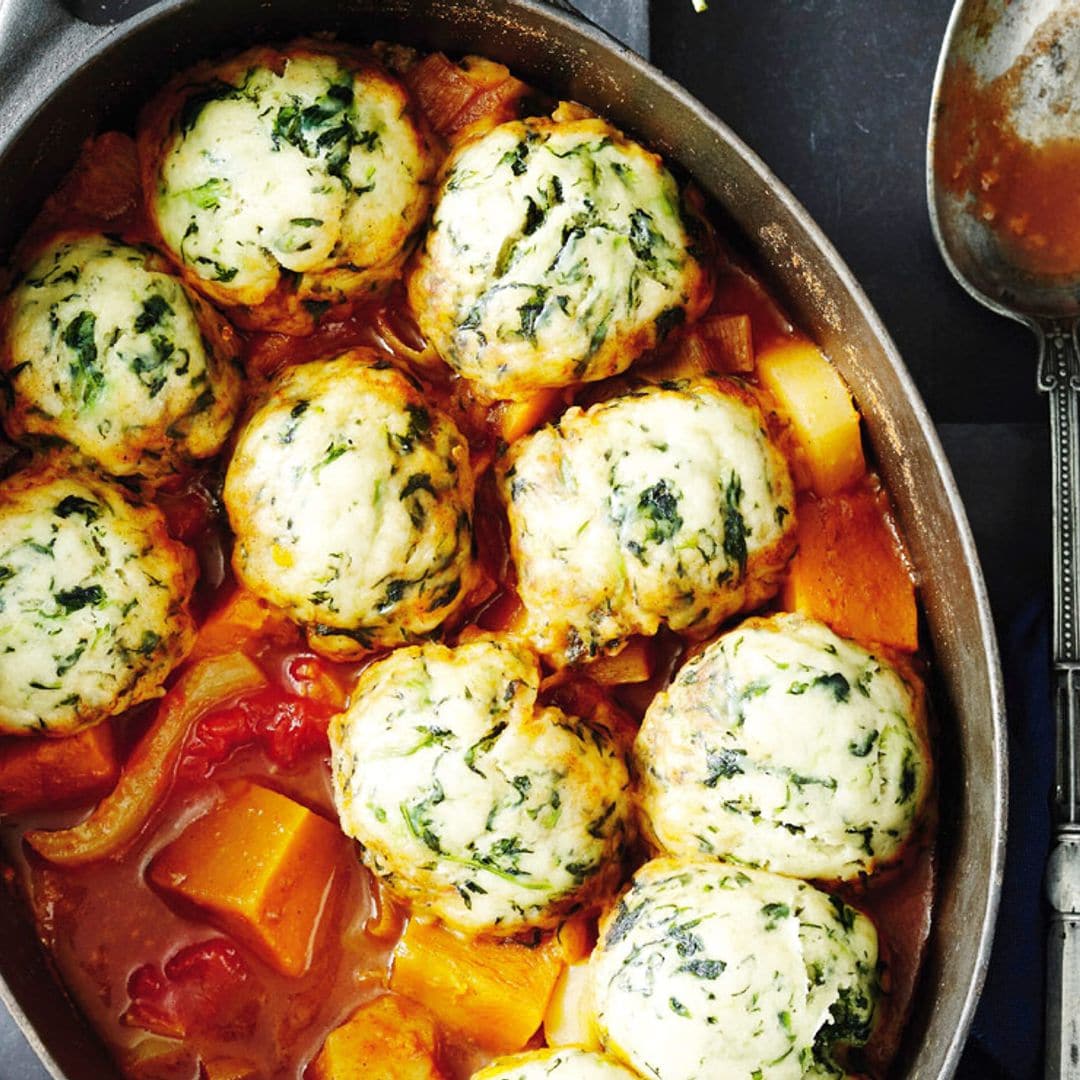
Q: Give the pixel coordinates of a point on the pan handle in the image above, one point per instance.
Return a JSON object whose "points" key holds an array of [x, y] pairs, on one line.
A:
{"points": [[40, 41]]}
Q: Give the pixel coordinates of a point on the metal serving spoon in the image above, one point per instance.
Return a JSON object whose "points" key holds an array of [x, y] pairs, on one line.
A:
{"points": [[1003, 180]]}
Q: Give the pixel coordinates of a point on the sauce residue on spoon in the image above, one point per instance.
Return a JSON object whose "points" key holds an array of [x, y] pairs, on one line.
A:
{"points": [[1026, 191]]}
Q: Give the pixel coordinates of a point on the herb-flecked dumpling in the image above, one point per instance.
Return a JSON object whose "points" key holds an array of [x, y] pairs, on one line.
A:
{"points": [[668, 505], [567, 1063], [104, 348], [558, 252], [93, 600], [472, 802], [784, 746], [704, 969], [286, 181], [351, 500]]}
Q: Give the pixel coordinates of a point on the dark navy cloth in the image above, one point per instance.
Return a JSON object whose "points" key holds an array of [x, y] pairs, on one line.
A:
{"points": [[1006, 1037]]}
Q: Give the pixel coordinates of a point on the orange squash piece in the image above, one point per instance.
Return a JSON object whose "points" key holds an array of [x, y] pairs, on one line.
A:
{"points": [[243, 618], [816, 402], [513, 419], [42, 773], [851, 570], [260, 867], [494, 993], [389, 1038]]}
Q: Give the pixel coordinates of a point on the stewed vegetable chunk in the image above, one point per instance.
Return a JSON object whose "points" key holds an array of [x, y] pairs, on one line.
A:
{"points": [[260, 866]]}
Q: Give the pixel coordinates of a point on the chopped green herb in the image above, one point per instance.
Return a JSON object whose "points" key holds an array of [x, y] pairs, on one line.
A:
{"points": [[734, 524], [74, 504], [80, 596], [87, 376], [659, 506], [154, 309]]}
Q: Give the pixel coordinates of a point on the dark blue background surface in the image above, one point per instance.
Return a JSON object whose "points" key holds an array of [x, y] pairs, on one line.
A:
{"points": [[834, 95]]}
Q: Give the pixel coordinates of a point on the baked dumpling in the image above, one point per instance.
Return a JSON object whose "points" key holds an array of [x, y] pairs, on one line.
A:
{"points": [[351, 500], [557, 253], [704, 969], [784, 746], [669, 504], [104, 348], [93, 600], [286, 181], [472, 802]]}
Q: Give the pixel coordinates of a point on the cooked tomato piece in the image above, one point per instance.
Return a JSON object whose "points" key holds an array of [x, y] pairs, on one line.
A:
{"points": [[198, 990], [286, 727]]}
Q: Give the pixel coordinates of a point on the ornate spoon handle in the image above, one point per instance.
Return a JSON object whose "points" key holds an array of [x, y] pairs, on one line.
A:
{"points": [[1059, 376]]}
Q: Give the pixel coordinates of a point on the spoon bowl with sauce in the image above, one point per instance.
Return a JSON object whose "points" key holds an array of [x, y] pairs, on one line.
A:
{"points": [[1003, 181]]}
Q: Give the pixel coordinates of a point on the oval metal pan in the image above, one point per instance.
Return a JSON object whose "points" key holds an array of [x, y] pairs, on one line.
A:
{"points": [[102, 78]]}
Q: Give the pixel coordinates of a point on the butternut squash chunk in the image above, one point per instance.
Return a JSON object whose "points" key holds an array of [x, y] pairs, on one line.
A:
{"points": [[851, 570], [241, 619], [260, 867], [813, 398], [41, 773], [516, 418], [389, 1038], [493, 993]]}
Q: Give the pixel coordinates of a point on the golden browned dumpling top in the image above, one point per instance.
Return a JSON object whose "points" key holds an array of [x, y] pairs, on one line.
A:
{"points": [[558, 252], [286, 181], [93, 600], [351, 499], [107, 350]]}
